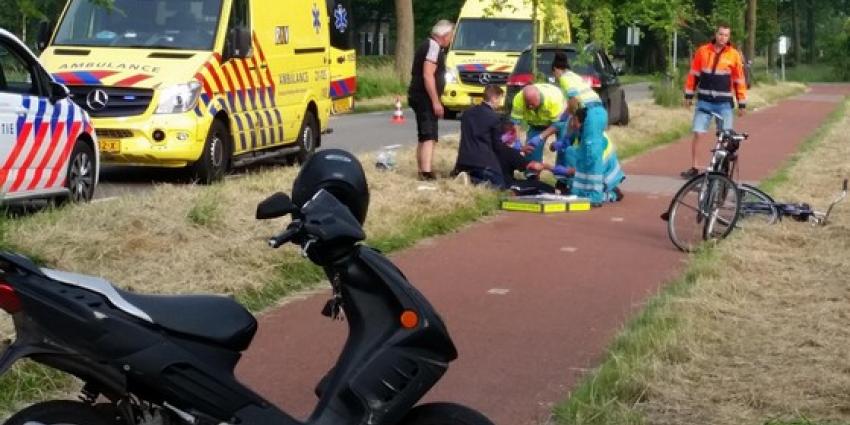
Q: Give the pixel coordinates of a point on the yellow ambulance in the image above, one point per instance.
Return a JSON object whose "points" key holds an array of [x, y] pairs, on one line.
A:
{"points": [[487, 44], [343, 57], [206, 84]]}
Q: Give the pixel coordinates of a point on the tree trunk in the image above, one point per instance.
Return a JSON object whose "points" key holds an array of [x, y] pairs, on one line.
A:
{"points": [[810, 29], [795, 19], [404, 39], [24, 28], [750, 51]]}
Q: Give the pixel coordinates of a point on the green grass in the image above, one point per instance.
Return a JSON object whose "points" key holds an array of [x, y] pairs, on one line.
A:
{"points": [[386, 103], [301, 275], [636, 78], [30, 381], [812, 73], [376, 78], [206, 211], [667, 91], [609, 394]]}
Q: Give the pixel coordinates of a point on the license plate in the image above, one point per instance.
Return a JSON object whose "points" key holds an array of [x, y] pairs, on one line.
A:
{"points": [[342, 105], [109, 145]]}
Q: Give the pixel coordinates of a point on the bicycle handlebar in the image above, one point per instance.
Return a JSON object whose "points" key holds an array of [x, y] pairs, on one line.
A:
{"points": [[837, 200]]}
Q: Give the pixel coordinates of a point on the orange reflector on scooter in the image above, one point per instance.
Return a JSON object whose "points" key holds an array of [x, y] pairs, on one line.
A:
{"points": [[409, 319]]}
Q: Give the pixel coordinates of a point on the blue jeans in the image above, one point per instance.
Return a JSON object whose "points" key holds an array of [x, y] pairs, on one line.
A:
{"points": [[487, 176], [703, 119]]}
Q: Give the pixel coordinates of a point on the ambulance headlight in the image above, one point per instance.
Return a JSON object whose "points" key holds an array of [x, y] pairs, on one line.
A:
{"points": [[451, 78], [179, 98]]}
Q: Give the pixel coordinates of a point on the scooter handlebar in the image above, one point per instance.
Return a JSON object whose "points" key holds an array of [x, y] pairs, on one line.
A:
{"points": [[286, 236]]}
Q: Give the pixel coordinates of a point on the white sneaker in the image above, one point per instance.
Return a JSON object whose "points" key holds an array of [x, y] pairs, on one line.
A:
{"points": [[463, 178]]}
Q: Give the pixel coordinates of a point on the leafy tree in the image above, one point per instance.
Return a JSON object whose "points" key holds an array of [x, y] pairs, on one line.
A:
{"points": [[663, 17], [427, 13]]}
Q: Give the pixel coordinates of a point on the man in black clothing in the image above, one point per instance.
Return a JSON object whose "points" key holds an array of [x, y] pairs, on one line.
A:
{"points": [[428, 79], [482, 153]]}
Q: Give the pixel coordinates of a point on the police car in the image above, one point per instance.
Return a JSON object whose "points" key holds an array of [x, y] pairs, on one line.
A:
{"points": [[48, 147]]}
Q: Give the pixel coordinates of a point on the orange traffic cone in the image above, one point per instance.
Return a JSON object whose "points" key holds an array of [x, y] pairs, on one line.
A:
{"points": [[398, 115]]}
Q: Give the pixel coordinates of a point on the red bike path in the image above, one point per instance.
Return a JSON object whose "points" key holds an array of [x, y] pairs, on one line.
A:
{"points": [[532, 301]]}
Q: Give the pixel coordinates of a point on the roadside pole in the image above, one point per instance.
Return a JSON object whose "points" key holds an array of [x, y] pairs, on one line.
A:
{"points": [[783, 50], [633, 40]]}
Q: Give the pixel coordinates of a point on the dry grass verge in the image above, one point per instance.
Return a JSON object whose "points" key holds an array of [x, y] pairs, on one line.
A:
{"points": [[755, 332], [180, 239]]}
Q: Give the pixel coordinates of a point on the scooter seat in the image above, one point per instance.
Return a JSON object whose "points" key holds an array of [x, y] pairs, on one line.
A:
{"points": [[217, 319]]}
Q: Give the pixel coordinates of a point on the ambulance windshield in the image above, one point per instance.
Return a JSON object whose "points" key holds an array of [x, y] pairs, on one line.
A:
{"points": [[157, 24], [494, 35]]}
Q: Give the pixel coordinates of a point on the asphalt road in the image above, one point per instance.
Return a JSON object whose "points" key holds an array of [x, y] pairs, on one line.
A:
{"points": [[356, 132]]}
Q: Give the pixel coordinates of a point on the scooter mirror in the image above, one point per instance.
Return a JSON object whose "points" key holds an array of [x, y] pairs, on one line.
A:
{"points": [[275, 206]]}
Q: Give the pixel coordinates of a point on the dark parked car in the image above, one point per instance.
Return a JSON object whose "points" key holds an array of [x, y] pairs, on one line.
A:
{"points": [[593, 64]]}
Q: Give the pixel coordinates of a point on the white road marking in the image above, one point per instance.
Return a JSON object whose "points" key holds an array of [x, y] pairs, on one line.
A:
{"points": [[569, 249], [497, 291]]}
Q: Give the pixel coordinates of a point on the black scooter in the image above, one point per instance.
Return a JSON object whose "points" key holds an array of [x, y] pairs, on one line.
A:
{"points": [[154, 359]]}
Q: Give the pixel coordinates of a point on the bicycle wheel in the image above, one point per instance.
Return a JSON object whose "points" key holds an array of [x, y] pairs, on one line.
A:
{"points": [[722, 206], [706, 207], [757, 207]]}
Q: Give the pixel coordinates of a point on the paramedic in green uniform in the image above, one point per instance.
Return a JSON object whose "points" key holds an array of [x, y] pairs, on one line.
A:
{"points": [[540, 107]]}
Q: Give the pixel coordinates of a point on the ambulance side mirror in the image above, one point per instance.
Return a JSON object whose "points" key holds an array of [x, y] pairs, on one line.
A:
{"points": [[43, 35], [238, 43]]}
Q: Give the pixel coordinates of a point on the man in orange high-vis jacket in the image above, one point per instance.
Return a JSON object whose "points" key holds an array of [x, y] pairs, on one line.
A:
{"points": [[717, 79]]}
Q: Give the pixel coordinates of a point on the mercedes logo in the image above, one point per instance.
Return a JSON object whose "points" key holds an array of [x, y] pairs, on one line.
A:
{"points": [[484, 78], [97, 99]]}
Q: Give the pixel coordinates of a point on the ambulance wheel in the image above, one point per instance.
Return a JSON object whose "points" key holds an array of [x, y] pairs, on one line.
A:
{"points": [[80, 176], [215, 159], [449, 114], [308, 137]]}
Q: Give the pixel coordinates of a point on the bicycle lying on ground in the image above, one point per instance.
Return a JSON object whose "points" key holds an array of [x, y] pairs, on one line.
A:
{"points": [[771, 212], [710, 205]]}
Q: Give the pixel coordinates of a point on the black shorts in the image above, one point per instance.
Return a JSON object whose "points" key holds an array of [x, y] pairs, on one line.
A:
{"points": [[426, 120]]}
